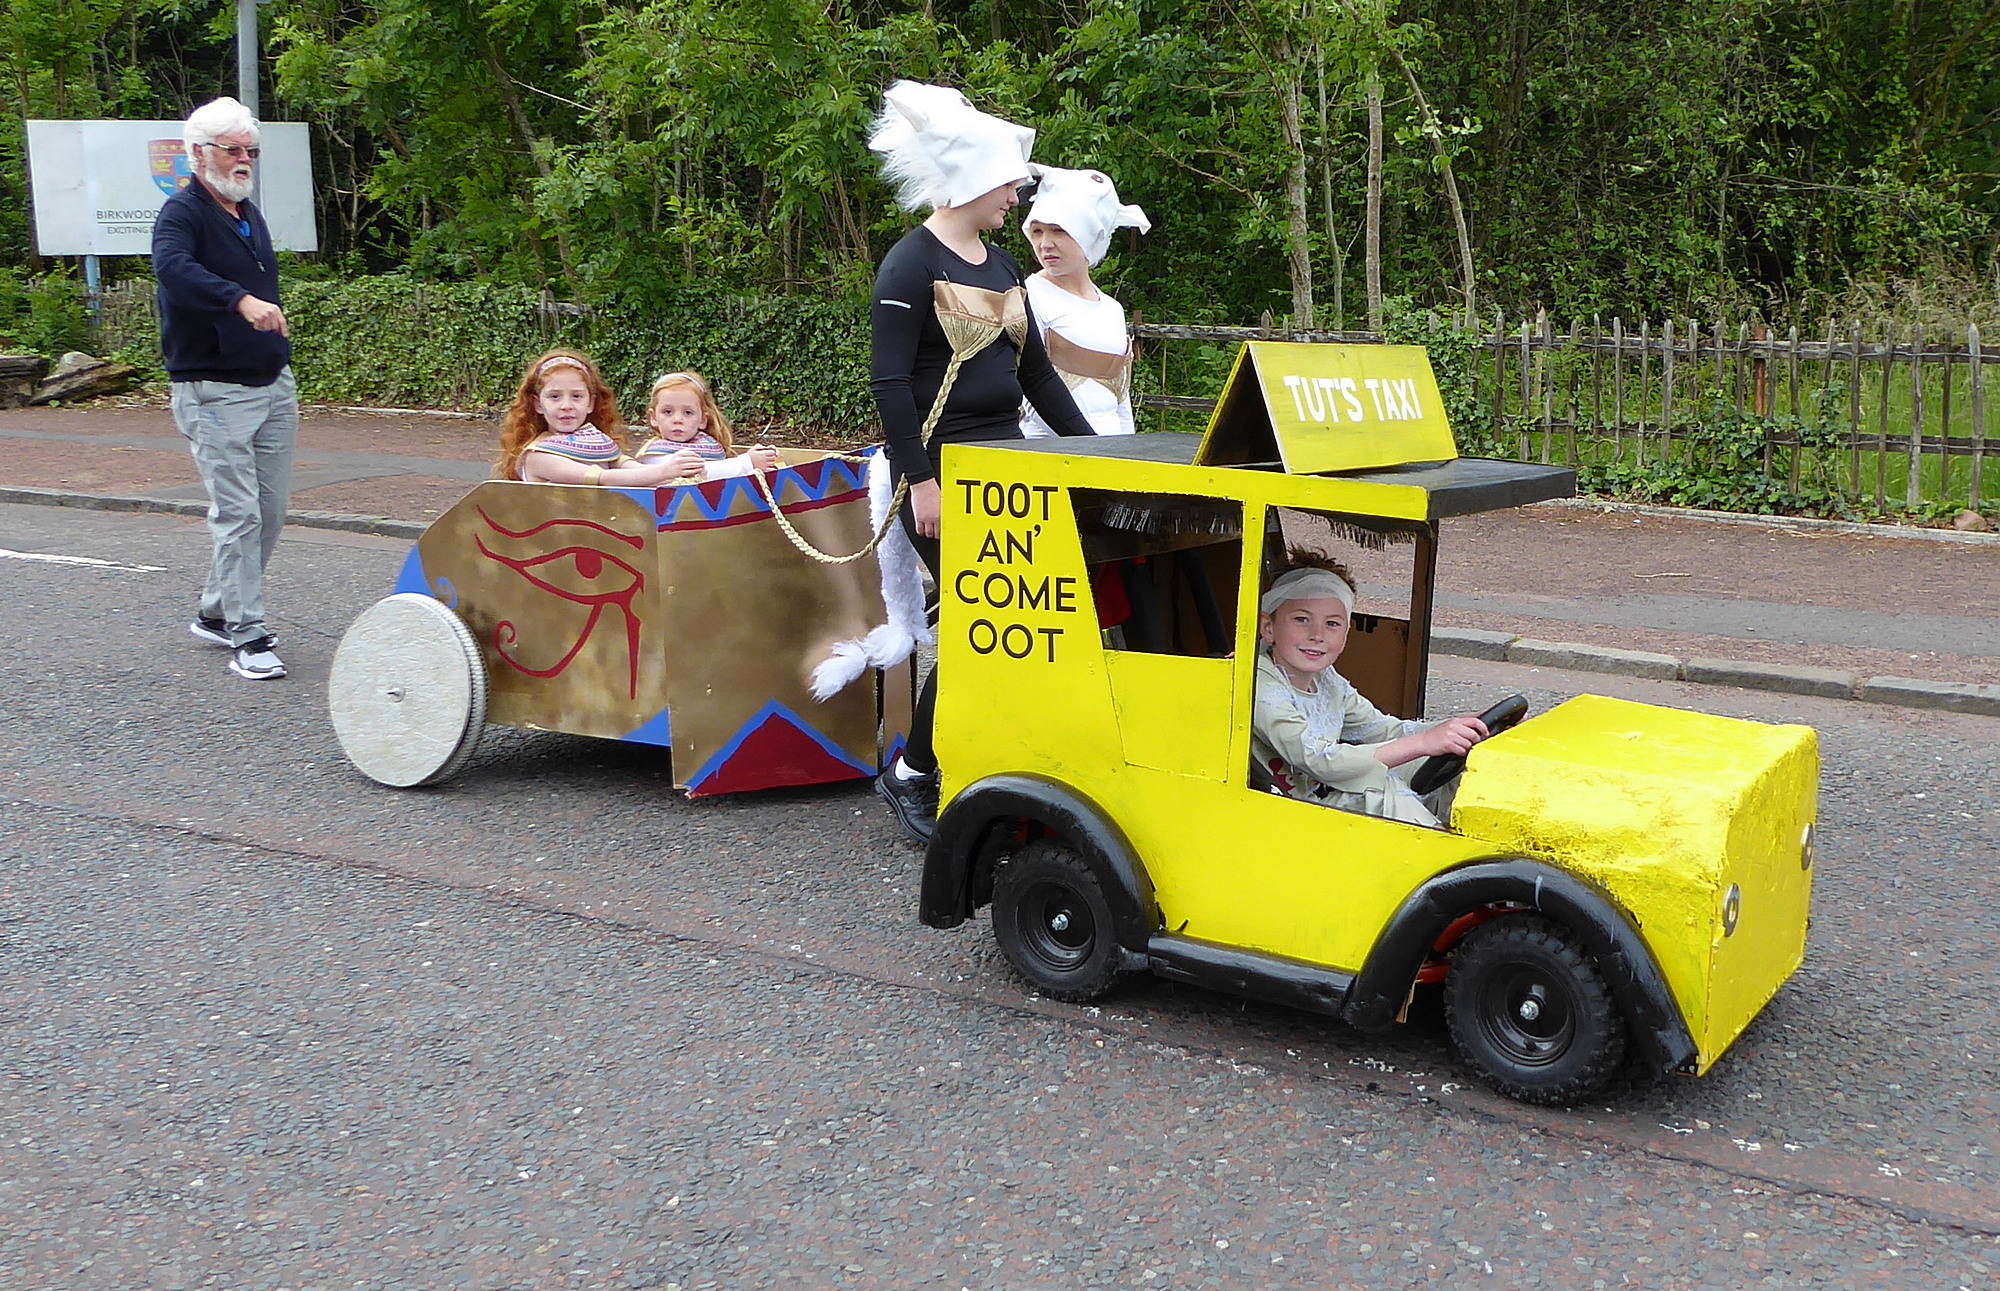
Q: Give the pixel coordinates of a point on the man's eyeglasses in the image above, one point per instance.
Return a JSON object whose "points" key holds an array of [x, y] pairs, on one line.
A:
{"points": [[236, 151]]}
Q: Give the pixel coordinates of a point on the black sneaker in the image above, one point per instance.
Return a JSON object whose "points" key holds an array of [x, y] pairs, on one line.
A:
{"points": [[217, 632], [915, 801]]}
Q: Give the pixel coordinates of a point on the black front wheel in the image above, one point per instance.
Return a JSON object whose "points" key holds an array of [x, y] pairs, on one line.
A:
{"points": [[1529, 1010], [1053, 923]]}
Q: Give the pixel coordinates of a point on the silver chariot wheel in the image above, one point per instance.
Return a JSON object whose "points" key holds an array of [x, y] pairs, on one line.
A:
{"points": [[407, 691]]}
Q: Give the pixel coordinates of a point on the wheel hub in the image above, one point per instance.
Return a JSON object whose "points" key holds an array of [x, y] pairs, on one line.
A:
{"points": [[1529, 1016], [1057, 926]]}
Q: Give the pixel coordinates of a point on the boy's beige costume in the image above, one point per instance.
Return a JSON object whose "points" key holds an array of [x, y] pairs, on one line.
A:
{"points": [[1320, 746]]}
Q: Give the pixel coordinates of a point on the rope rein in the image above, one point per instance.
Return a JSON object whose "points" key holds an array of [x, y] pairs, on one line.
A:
{"points": [[803, 543]]}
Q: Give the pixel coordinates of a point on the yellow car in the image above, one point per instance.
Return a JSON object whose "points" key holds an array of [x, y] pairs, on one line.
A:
{"points": [[1620, 885]]}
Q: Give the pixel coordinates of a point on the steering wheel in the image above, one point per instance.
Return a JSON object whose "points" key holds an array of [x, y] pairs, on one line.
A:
{"points": [[1438, 769]]}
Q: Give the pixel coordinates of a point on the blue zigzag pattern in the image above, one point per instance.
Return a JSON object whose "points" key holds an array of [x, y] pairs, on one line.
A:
{"points": [[837, 477]]}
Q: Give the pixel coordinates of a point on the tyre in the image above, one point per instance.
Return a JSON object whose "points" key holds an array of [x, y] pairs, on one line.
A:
{"points": [[1053, 923], [1529, 1011]]}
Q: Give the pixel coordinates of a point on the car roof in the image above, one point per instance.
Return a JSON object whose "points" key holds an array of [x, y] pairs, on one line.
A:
{"points": [[1462, 486]]}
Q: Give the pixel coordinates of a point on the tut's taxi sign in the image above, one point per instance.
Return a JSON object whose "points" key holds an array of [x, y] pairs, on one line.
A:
{"points": [[1321, 408]]}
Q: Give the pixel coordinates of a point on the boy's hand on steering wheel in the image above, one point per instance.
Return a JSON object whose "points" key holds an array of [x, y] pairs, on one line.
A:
{"points": [[1453, 737]]}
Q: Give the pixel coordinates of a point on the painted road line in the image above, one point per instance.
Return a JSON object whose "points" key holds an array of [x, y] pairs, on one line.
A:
{"points": [[90, 561]]}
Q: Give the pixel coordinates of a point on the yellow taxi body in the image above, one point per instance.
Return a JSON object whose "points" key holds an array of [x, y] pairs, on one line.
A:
{"points": [[1695, 827]]}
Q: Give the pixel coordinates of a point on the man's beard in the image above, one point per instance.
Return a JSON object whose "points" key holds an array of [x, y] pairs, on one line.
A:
{"points": [[229, 188]]}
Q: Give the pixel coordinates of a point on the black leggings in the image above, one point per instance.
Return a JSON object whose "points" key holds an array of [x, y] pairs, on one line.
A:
{"points": [[917, 751]]}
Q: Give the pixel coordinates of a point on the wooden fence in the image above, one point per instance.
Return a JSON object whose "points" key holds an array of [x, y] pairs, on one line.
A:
{"points": [[1893, 419]]}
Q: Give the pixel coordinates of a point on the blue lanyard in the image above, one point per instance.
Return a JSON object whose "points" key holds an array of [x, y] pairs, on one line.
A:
{"points": [[243, 231]]}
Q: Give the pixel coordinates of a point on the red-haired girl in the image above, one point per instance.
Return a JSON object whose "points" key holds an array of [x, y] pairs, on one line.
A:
{"points": [[563, 426]]}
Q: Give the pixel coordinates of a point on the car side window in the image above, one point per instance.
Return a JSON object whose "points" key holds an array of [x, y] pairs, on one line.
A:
{"points": [[1163, 569]]}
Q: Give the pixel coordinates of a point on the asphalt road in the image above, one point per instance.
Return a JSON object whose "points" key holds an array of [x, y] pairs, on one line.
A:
{"points": [[268, 1025]]}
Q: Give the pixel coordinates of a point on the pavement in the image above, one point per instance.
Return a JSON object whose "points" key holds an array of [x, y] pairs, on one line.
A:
{"points": [[1869, 613]]}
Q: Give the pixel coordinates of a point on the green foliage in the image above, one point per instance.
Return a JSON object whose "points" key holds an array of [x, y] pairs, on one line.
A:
{"points": [[66, 59], [1725, 459], [797, 362], [1643, 160], [394, 340], [695, 172], [42, 314], [1454, 352]]}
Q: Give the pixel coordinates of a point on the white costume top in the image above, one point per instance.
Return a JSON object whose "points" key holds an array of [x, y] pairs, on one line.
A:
{"points": [[1094, 325]]}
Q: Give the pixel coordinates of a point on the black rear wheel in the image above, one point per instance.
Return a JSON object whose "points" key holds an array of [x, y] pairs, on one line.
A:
{"points": [[1529, 1010], [1053, 922]]}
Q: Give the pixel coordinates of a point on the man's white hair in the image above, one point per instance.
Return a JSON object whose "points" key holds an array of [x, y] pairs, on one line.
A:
{"points": [[216, 118]]}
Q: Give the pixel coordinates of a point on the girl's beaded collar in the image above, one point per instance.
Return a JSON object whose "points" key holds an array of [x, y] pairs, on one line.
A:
{"points": [[584, 444]]}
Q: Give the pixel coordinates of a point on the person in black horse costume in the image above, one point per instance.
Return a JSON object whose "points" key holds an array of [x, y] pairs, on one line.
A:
{"points": [[955, 349]]}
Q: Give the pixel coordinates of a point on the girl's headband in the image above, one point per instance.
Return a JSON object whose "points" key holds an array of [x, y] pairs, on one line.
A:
{"points": [[1307, 585], [686, 378], [560, 361]]}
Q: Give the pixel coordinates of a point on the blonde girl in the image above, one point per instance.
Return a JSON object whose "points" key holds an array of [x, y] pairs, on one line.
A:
{"points": [[563, 426], [683, 416]]}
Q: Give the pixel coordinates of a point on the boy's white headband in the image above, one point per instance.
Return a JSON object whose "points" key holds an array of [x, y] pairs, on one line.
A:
{"points": [[1307, 585]]}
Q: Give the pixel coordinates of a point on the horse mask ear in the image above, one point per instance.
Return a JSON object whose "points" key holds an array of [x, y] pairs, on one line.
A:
{"points": [[1084, 204], [939, 150]]}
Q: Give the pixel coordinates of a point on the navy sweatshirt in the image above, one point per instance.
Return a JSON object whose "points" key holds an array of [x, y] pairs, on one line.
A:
{"points": [[204, 266]]}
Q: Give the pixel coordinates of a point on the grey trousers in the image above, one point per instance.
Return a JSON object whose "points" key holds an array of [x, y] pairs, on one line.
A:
{"points": [[242, 439]]}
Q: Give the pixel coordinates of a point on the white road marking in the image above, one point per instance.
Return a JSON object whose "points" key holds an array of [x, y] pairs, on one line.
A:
{"points": [[80, 560]]}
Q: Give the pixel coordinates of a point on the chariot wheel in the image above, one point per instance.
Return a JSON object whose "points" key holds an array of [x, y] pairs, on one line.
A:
{"points": [[407, 691]]}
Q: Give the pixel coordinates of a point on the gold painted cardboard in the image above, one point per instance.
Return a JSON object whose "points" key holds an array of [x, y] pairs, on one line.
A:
{"points": [[560, 587], [678, 616]]}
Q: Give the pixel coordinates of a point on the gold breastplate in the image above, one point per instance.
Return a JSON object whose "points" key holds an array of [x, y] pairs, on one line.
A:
{"points": [[973, 317], [1078, 365]]}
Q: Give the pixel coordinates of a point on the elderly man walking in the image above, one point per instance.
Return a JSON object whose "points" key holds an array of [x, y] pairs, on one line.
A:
{"points": [[228, 351]]}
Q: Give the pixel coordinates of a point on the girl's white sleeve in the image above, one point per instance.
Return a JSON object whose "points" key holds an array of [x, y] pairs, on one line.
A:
{"points": [[728, 467]]}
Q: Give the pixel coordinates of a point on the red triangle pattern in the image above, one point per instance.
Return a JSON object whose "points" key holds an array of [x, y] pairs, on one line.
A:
{"points": [[775, 755]]}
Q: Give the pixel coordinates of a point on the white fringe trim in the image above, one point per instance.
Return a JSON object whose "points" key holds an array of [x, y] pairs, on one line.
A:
{"points": [[902, 595]]}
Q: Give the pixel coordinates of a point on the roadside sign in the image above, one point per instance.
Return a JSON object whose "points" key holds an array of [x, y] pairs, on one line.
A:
{"points": [[97, 186]]}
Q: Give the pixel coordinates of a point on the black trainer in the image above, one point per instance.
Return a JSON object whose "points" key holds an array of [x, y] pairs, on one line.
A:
{"points": [[216, 631], [915, 801]]}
